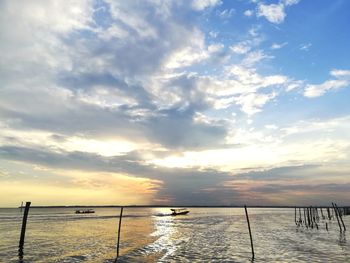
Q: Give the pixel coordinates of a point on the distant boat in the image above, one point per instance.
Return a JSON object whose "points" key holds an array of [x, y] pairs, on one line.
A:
{"points": [[86, 211], [179, 211]]}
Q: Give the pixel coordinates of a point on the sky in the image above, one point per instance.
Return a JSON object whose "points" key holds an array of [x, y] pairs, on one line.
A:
{"points": [[187, 102]]}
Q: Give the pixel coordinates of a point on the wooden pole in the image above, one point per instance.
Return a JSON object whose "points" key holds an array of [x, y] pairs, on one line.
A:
{"points": [[295, 215], [336, 215], [341, 219], [323, 217], [308, 216], [328, 213], [250, 232], [23, 230], [120, 223]]}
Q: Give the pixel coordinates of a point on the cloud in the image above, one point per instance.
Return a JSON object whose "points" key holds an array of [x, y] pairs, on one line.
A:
{"points": [[254, 57], [149, 93], [227, 13], [248, 13], [195, 52], [249, 44], [241, 48], [341, 80], [305, 47], [202, 4], [275, 13], [290, 2], [253, 102], [173, 185], [338, 73], [278, 46], [98, 81]]}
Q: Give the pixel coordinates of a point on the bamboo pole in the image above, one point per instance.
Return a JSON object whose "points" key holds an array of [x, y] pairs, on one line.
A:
{"points": [[328, 213], [250, 232], [119, 227], [323, 217], [308, 216], [341, 219], [23, 230], [336, 214]]}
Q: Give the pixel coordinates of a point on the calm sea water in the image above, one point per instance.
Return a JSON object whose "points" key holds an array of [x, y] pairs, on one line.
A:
{"points": [[150, 235]]}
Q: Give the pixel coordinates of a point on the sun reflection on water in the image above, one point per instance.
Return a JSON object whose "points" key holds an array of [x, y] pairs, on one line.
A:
{"points": [[165, 231]]}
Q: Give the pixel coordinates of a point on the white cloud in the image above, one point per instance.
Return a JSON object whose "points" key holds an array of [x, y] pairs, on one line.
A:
{"points": [[320, 89], [254, 57], [290, 2], [294, 85], [213, 34], [253, 102], [195, 52], [47, 15], [338, 73], [342, 80], [271, 126], [202, 4], [275, 13], [248, 76], [227, 13], [245, 46], [278, 46], [241, 48], [248, 13], [305, 47]]}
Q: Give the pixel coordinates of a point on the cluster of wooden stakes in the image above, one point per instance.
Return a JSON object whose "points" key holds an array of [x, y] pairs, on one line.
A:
{"points": [[308, 217]]}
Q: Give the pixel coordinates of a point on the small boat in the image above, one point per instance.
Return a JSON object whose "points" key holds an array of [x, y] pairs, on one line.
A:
{"points": [[179, 211], [86, 211]]}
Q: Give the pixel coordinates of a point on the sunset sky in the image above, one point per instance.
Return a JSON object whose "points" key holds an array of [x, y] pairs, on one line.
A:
{"points": [[201, 102]]}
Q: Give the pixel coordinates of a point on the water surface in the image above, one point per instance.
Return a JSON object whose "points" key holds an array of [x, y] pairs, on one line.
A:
{"points": [[151, 235]]}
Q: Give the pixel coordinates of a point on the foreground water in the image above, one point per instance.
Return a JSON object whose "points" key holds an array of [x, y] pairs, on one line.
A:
{"points": [[151, 235]]}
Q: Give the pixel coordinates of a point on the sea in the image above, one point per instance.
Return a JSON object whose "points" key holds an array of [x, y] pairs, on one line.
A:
{"points": [[153, 235]]}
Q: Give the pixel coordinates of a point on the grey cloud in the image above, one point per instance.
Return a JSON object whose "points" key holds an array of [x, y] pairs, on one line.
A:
{"points": [[184, 186], [172, 128], [85, 81], [180, 185], [285, 172], [43, 92], [130, 163], [281, 188], [74, 160], [176, 129]]}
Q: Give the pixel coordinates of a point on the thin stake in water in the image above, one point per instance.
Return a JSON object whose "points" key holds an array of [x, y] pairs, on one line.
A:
{"points": [[23, 231], [336, 215], [250, 232], [120, 223], [340, 216]]}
